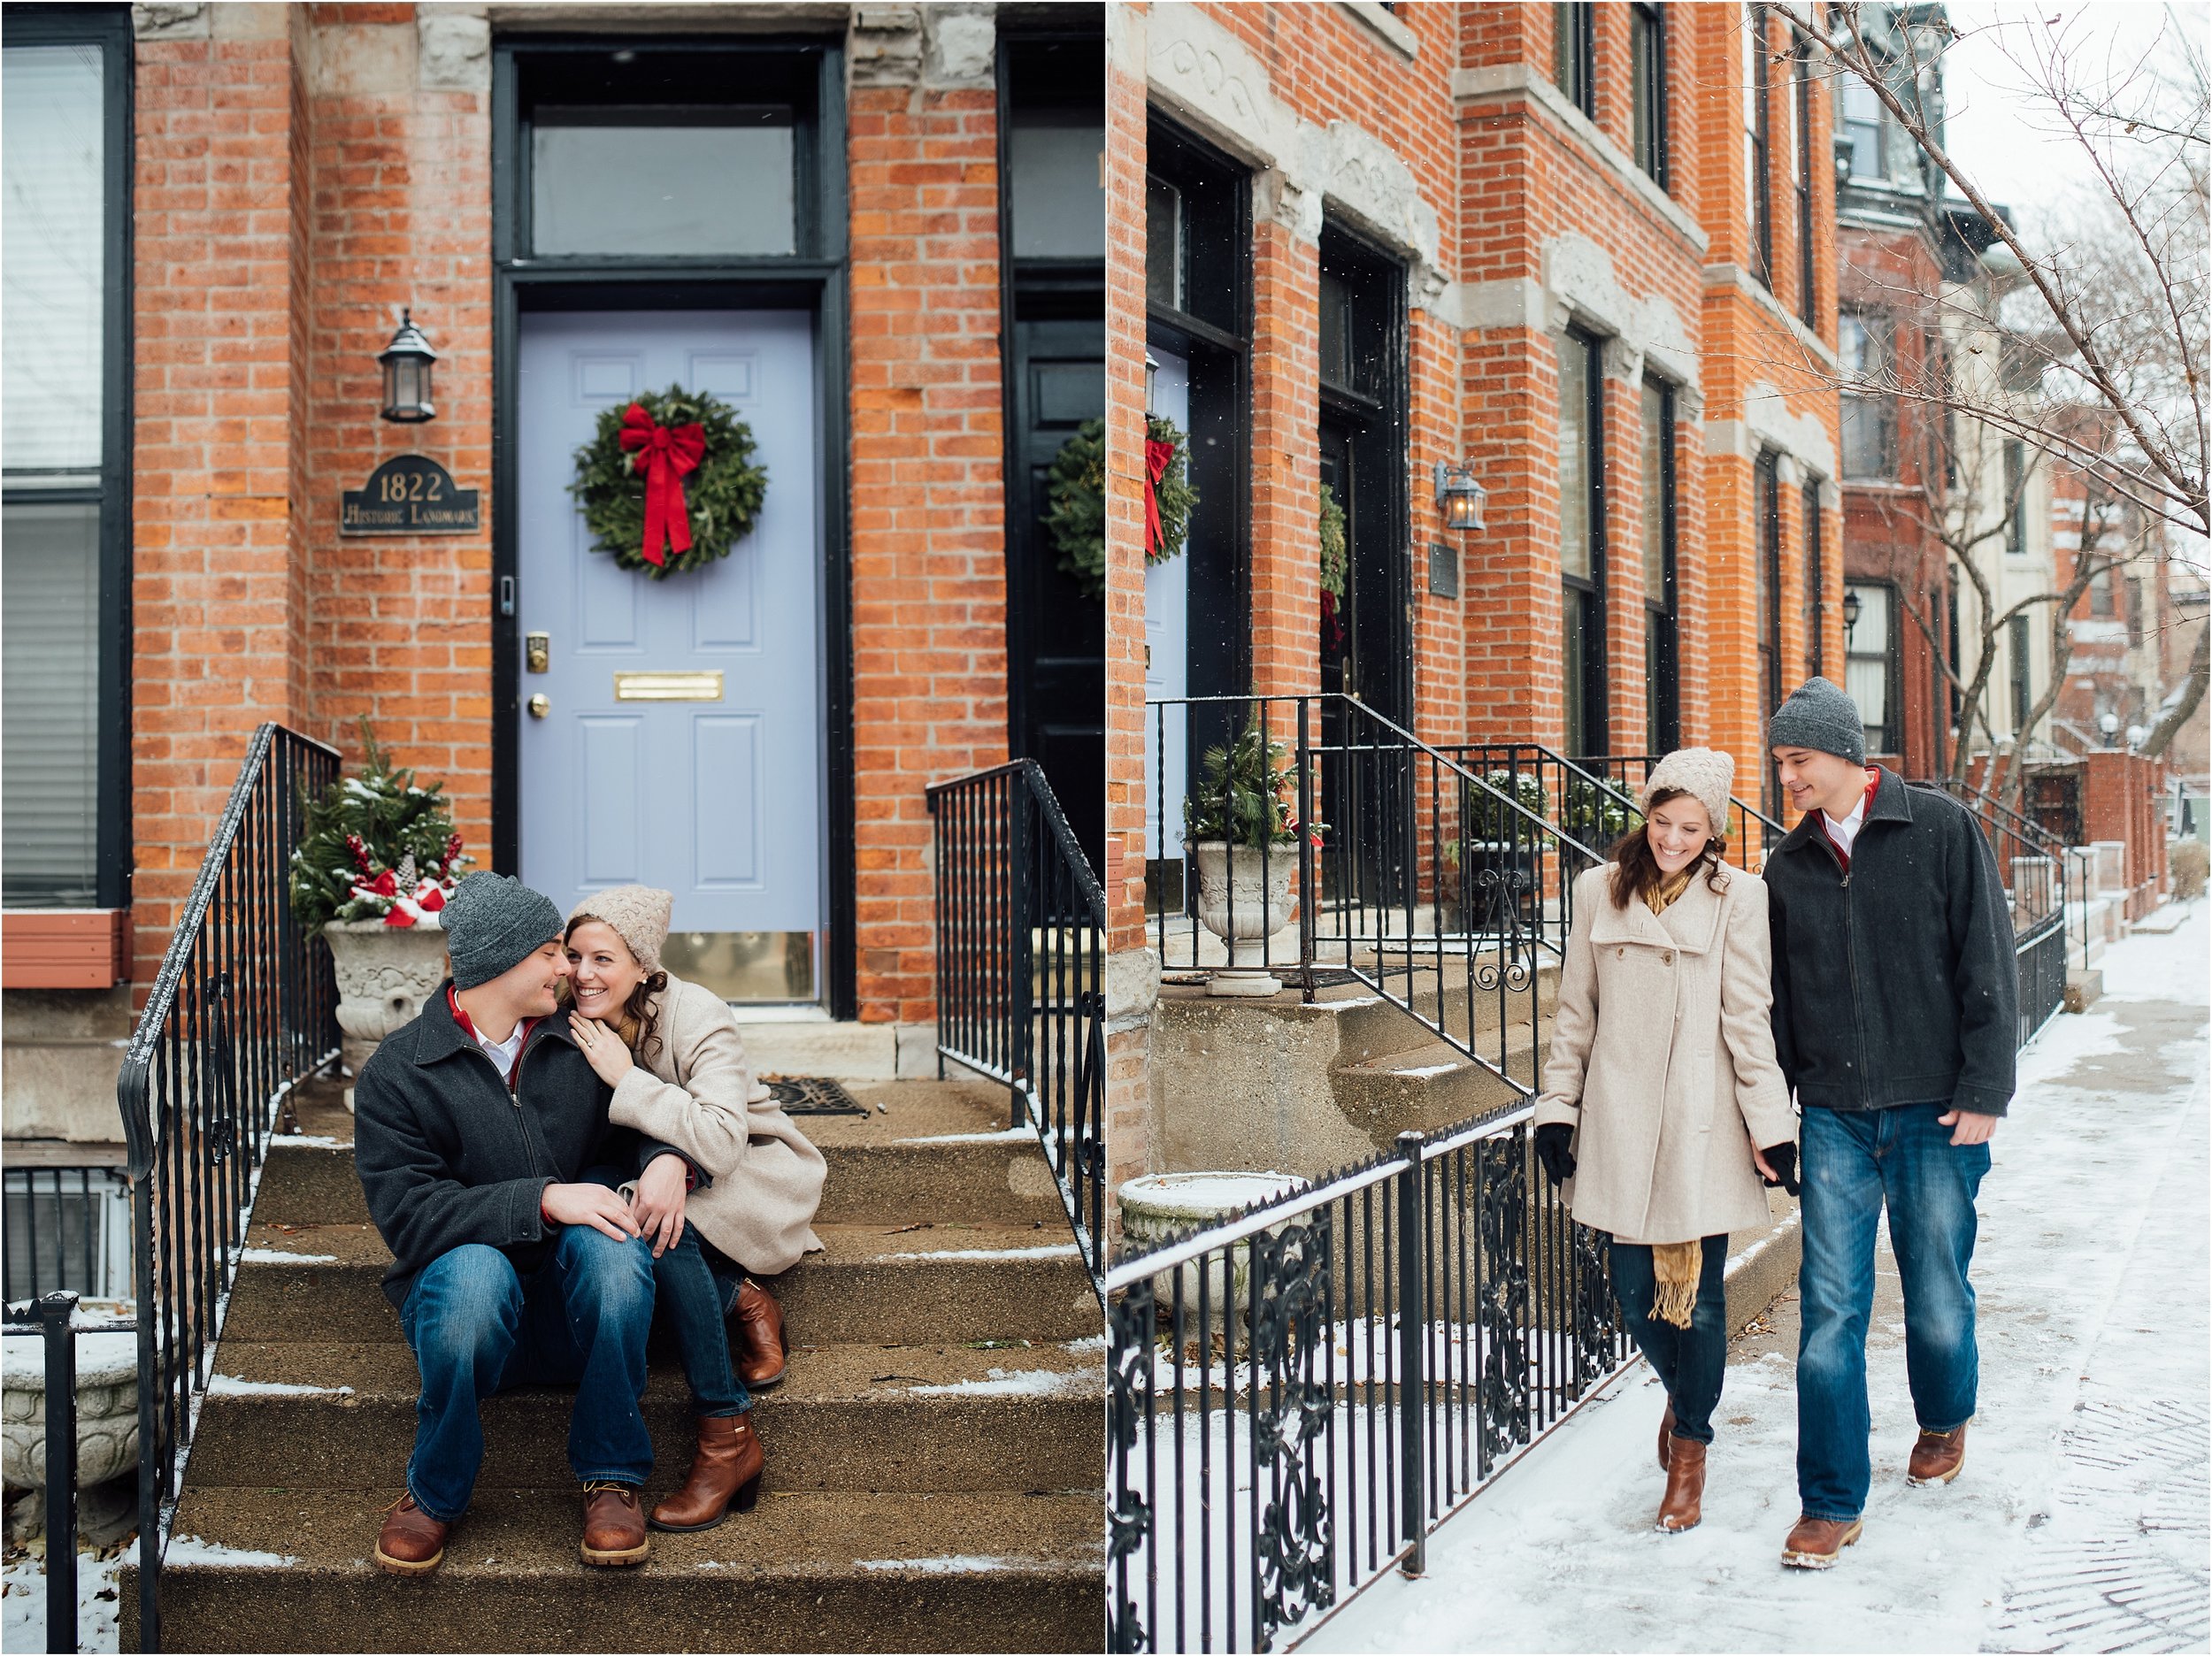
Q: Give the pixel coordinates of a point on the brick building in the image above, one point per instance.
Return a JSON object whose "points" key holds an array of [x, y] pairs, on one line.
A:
{"points": [[1586, 253], [874, 231]]}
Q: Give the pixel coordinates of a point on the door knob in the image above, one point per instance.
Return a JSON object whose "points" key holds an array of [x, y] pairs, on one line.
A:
{"points": [[539, 706], [536, 650]]}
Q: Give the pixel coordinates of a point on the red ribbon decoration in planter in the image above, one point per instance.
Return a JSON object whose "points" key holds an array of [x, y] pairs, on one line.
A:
{"points": [[1157, 458], [665, 454]]}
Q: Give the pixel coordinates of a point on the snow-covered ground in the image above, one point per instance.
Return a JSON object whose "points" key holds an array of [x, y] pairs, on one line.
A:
{"points": [[2080, 1521], [24, 1583]]}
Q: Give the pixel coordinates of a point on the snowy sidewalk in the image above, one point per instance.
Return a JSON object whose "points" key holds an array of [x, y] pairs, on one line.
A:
{"points": [[2080, 1521]]}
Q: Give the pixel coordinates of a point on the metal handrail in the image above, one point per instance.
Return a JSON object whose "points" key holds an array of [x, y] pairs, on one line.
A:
{"points": [[1020, 968], [243, 1010]]}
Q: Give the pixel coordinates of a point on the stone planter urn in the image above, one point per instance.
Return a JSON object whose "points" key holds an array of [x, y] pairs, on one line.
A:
{"points": [[107, 1410], [1160, 1206], [1244, 899], [385, 974]]}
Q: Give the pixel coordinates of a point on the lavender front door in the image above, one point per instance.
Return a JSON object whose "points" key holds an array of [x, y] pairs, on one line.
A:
{"points": [[680, 737]]}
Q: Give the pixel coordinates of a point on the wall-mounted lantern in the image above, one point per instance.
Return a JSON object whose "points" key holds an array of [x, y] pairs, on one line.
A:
{"points": [[1151, 380], [1850, 613], [406, 362], [1459, 496]]}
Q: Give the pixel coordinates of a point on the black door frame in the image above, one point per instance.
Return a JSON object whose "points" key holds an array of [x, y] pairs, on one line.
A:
{"points": [[816, 280]]}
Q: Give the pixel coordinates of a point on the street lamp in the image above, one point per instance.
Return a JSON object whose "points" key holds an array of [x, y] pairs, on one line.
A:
{"points": [[2110, 723], [1459, 496], [1851, 607], [406, 362]]}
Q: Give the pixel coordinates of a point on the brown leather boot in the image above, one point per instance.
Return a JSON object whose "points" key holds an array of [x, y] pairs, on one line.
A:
{"points": [[1666, 1436], [411, 1541], [725, 1473], [1937, 1457], [1679, 1507], [614, 1525], [1817, 1543], [758, 1321]]}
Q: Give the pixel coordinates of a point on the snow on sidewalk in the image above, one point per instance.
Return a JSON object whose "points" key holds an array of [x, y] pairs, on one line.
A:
{"points": [[2091, 1282]]}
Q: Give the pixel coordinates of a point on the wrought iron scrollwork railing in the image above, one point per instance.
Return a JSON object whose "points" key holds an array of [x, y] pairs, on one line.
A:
{"points": [[1386, 860], [244, 1009], [1300, 1394], [1021, 971], [1752, 834]]}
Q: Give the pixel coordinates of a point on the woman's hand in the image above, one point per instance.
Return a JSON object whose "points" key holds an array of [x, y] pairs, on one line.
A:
{"points": [[602, 1048], [659, 1202]]}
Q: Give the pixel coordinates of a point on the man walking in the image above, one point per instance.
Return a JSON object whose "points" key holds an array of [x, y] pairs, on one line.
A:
{"points": [[1895, 1020], [478, 1130]]}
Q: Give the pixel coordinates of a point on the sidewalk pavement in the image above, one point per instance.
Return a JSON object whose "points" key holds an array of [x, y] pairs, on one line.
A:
{"points": [[2080, 1521]]}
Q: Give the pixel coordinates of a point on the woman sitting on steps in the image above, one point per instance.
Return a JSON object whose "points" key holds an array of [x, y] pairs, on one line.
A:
{"points": [[672, 1052]]}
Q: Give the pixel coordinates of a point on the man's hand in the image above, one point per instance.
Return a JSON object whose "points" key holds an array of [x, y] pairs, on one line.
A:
{"points": [[659, 1202], [593, 1204], [1967, 1128]]}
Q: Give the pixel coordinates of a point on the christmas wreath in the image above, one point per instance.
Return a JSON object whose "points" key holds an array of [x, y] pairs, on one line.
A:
{"points": [[1076, 494], [1335, 563], [377, 846], [668, 482]]}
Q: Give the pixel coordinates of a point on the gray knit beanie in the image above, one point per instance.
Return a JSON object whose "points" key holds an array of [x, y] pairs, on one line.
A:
{"points": [[1820, 716], [1705, 774], [639, 915], [492, 923]]}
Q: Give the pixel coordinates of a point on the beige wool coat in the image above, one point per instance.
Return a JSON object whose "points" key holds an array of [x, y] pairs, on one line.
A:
{"points": [[695, 1090], [1663, 1060]]}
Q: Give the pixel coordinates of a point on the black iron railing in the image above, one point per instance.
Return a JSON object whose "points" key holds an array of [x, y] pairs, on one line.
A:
{"points": [[245, 1010], [1299, 1395], [1752, 834], [1021, 972], [1398, 866], [2050, 919]]}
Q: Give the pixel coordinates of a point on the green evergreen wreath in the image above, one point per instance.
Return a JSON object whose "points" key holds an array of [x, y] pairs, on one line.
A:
{"points": [[1075, 514], [1333, 561], [721, 498]]}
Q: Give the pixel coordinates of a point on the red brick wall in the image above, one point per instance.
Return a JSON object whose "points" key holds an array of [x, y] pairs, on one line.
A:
{"points": [[928, 502]]}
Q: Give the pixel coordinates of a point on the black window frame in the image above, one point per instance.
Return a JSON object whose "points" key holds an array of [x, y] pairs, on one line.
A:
{"points": [[1881, 329], [1647, 89], [1891, 731], [1761, 156], [1766, 507], [107, 27], [2020, 648], [1582, 599], [2015, 467], [1816, 581], [1662, 634], [1574, 53], [1808, 272]]}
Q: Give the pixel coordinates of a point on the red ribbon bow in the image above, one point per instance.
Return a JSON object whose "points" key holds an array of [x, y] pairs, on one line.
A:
{"points": [[1157, 458], [665, 454]]}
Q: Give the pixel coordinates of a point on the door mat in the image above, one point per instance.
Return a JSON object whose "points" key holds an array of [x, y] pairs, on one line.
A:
{"points": [[813, 1095]]}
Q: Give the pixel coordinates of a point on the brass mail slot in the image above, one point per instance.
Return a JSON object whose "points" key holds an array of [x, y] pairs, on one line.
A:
{"points": [[668, 686]]}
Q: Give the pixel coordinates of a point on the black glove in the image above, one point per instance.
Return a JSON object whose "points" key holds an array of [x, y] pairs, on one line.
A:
{"points": [[1552, 1141], [1783, 1159]]}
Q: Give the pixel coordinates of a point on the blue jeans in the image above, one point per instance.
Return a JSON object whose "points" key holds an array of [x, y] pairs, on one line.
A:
{"points": [[693, 1298], [477, 1326], [1854, 1162], [1688, 1361]]}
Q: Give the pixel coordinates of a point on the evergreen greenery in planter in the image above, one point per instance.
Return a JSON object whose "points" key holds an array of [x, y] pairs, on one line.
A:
{"points": [[1595, 816], [1247, 794], [377, 846], [1490, 821]]}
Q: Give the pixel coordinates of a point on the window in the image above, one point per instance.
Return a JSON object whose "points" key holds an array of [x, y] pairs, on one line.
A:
{"points": [[2135, 607], [2023, 700], [2101, 601], [1164, 243], [1864, 123], [1816, 581], [1870, 661], [1647, 80], [1663, 700], [1574, 54], [1057, 195], [1869, 405], [1801, 143], [66, 1228], [2016, 498], [1757, 144], [65, 509], [1766, 504], [661, 179], [1582, 543]]}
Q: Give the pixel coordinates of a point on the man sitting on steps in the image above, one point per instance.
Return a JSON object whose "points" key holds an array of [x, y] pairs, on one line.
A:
{"points": [[482, 1135]]}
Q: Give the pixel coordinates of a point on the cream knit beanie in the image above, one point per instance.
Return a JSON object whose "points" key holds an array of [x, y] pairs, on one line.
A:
{"points": [[639, 915], [1704, 773]]}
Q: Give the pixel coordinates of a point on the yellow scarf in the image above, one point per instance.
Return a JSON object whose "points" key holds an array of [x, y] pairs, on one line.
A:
{"points": [[1675, 1265]]}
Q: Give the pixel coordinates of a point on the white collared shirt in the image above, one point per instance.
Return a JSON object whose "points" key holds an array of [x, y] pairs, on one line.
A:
{"points": [[1846, 832], [504, 1052]]}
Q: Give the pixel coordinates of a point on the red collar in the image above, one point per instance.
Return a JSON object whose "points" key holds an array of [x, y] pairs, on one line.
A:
{"points": [[1866, 810], [468, 1027]]}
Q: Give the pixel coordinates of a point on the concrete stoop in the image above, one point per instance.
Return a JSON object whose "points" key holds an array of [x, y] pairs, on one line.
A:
{"points": [[935, 1452]]}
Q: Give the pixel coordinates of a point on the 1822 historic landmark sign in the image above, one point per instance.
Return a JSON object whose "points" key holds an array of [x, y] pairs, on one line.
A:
{"points": [[409, 494]]}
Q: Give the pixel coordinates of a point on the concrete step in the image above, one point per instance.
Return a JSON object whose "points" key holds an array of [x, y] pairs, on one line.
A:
{"points": [[940, 1147], [322, 1415], [1432, 1086], [902, 1284], [258, 1569]]}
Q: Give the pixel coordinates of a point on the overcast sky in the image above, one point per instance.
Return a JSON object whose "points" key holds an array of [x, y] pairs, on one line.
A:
{"points": [[1996, 132]]}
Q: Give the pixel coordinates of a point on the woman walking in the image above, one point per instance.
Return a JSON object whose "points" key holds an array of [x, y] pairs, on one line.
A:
{"points": [[672, 1052], [1663, 1108]]}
